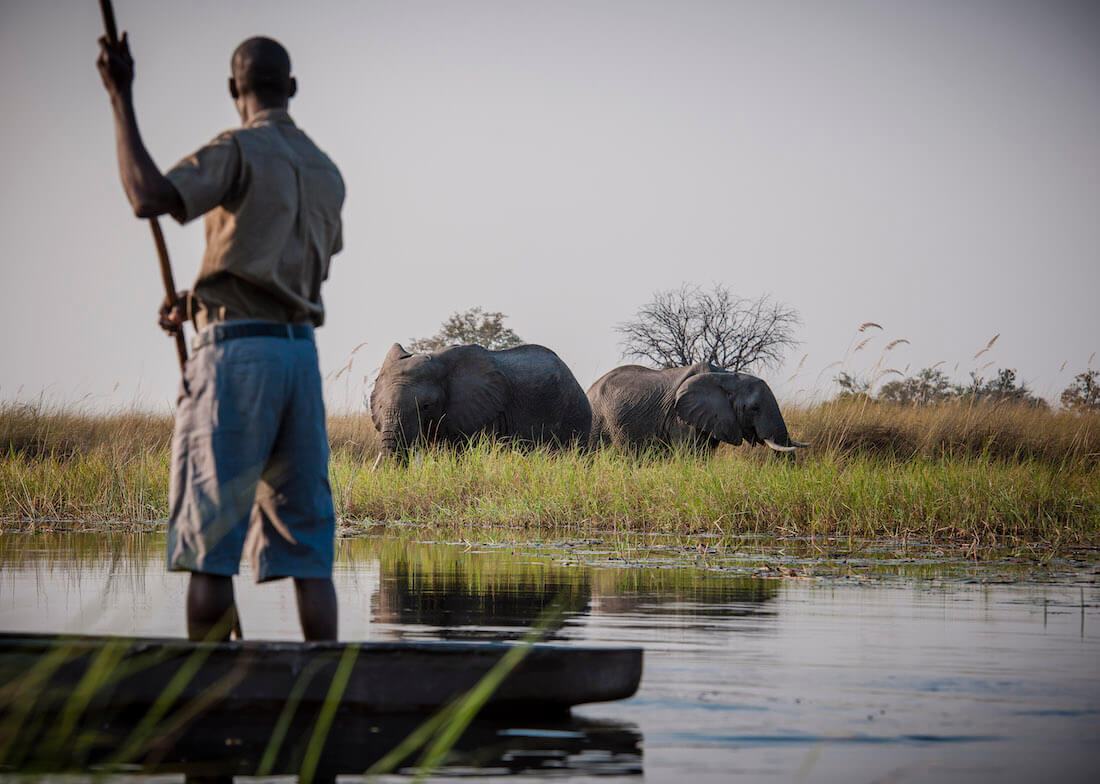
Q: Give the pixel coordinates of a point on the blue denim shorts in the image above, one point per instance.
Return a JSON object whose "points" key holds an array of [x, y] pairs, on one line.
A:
{"points": [[250, 460]]}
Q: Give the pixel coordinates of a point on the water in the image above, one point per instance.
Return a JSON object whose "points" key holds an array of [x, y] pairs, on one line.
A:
{"points": [[879, 663]]}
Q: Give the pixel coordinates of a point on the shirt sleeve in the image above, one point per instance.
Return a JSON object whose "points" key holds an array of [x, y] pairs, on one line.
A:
{"points": [[338, 240], [206, 178]]}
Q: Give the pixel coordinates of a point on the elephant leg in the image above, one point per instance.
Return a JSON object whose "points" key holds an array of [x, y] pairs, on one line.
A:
{"points": [[598, 435]]}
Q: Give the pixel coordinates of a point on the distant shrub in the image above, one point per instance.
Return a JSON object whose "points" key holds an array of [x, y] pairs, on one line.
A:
{"points": [[1084, 393]]}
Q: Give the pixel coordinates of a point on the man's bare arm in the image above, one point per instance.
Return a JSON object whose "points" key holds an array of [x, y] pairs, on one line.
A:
{"points": [[149, 191]]}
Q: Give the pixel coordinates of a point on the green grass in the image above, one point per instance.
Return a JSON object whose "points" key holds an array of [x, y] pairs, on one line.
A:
{"points": [[947, 498], [987, 474]]}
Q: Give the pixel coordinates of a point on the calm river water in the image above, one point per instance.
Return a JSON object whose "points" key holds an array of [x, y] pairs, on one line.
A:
{"points": [[760, 664]]}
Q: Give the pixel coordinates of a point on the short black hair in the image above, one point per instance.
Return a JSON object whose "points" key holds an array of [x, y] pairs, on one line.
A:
{"points": [[262, 66]]}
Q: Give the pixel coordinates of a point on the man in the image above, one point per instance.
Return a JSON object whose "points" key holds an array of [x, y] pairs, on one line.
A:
{"points": [[249, 451]]}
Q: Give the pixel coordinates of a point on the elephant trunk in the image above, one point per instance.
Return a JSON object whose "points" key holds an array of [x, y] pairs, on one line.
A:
{"points": [[394, 445], [773, 432], [389, 443]]}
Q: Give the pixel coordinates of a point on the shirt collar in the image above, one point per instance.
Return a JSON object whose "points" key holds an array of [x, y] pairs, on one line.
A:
{"points": [[280, 116]]}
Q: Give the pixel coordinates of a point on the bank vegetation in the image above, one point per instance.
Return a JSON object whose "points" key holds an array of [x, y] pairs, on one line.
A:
{"points": [[976, 473]]}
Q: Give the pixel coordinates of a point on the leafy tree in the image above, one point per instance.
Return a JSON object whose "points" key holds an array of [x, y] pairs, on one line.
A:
{"points": [[1084, 393], [1001, 389], [852, 387], [689, 325], [927, 387], [930, 386], [470, 327]]}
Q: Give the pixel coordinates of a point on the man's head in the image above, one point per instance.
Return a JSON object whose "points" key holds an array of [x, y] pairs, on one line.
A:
{"points": [[261, 76]]}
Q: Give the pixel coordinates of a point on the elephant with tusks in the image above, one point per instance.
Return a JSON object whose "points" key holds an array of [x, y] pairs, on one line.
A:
{"points": [[524, 395], [700, 405]]}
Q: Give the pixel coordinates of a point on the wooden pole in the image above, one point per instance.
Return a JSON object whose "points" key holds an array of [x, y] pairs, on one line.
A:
{"points": [[108, 12], [165, 266]]}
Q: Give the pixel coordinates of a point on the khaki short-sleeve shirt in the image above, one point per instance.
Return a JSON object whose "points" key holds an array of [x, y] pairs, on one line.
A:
{"points": [[272, 203]]}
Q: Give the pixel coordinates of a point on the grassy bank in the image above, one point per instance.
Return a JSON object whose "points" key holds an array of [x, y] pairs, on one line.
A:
{"points": [[945, 498], [976, 474]]}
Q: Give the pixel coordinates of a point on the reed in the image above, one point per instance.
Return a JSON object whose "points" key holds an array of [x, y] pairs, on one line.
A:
{"points": [[1010, 431], [987, 473], [44, 431], [945, 498]]}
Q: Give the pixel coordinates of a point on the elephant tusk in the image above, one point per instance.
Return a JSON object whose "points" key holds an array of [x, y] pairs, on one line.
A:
{"points": [[800, 443], [377, 460], [779, 448]]}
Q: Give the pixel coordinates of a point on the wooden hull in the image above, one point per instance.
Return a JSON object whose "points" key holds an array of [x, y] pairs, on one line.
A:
{"points": [[385, 677], [215, 710]]}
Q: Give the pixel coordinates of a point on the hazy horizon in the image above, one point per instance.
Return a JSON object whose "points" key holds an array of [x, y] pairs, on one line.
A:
{"points": [[933, 167]]}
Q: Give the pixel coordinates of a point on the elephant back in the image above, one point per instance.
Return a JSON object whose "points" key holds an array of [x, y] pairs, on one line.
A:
{"points": [[630, 406], [549, 405], [634, 406]]}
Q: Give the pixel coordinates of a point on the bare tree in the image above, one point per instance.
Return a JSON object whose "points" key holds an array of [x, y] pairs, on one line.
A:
{"points": [[690, 324], [471, 327]]}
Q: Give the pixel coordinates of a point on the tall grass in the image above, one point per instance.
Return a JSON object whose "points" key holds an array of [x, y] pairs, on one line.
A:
{"points": [[41, 431], [954, 428], [955, 471], [830, 494]]}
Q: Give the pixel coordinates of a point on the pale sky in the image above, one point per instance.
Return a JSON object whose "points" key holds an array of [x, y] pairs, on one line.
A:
{"points": [[930, 165]]}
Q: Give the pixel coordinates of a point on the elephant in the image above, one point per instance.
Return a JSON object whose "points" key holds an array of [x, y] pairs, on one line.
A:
{"points": [[525, 395], [699, 405]]}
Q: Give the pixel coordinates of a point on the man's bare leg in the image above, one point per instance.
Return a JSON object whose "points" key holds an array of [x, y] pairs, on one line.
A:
{"points": [[316, 607], [211, 609]]}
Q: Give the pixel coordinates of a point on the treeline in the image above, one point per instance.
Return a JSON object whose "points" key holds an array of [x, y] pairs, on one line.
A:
{"points": [[680, 327], [931, 386]]}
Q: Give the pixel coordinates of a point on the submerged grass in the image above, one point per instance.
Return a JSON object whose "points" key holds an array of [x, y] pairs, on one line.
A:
{"points": [[993, 474]]}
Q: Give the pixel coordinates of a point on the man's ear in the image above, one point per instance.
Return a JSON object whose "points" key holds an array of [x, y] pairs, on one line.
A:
{"points": [[233, 91], [293, 88]]}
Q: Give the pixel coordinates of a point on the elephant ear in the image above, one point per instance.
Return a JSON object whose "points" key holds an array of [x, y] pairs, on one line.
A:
{"points": [[476, 392], [702, 403]]}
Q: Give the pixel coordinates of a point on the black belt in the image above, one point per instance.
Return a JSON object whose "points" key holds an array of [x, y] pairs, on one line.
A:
{"points": [[230, 331]]}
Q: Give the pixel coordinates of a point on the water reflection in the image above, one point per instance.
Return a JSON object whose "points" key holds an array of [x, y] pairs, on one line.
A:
{"points": [[222, 745], [428, 590], [389, 588], [78, 582], [467, 595], [406, 590], [931, 670]]}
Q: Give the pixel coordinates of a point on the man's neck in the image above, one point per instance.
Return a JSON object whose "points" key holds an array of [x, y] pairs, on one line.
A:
{"points": [[249, 106]]}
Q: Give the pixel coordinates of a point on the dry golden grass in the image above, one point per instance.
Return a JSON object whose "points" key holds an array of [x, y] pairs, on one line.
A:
{"points": [[353, 436], [955, 429], [37, 431], [1005, 431]]}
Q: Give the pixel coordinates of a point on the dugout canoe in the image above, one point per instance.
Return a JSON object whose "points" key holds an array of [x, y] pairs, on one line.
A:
{"points": [[131, 674]]}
